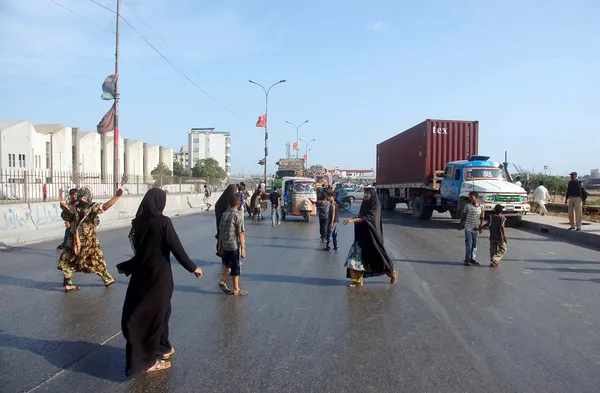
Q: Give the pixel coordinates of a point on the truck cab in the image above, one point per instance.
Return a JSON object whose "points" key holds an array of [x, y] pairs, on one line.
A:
{"points": [[489, 180]]}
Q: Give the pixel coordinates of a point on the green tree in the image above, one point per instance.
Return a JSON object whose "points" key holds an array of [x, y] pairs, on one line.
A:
{"points": [[209, 170], [180, 171], [162, 175], [556, 185]]}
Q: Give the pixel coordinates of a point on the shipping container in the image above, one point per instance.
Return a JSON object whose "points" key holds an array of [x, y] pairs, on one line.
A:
{"points": [[414, 155]]}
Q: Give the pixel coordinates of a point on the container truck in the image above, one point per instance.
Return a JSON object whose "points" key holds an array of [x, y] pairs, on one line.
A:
{"points": [[434, 165]]}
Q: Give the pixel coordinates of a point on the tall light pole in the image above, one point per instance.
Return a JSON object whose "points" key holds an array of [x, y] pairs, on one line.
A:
{"points": [[297, 133], [266, 117], [306, 150], [545, 169]]}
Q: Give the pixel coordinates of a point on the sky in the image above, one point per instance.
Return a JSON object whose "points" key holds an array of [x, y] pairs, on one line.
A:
{"points": [[359, 71]]}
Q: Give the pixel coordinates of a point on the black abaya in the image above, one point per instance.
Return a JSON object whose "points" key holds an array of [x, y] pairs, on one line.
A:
{"points": [[369, 236], [147, 308]]}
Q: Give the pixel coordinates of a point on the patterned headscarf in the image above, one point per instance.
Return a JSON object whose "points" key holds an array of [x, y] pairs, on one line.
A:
{"points": [[84, 192]]}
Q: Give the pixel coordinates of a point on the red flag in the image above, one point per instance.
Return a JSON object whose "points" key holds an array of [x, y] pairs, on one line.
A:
{"points": [[295, 146], [107, 124], [305, 157], [262, 121]]}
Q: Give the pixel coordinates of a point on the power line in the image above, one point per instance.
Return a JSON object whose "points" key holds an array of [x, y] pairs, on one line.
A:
{"points": [[81, 16], [103, 6], [180, 71], [170, 48]]}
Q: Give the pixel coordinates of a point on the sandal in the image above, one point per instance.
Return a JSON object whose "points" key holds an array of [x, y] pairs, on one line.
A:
{"points": [[355, 284], [74, 288], [394, 278], [242, 292], [166, 356], [109, 283], [494, 264], [224, 287], [159, 366]]}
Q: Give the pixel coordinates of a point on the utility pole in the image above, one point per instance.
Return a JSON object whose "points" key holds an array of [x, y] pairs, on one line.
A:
{"points": [[116, 140]]}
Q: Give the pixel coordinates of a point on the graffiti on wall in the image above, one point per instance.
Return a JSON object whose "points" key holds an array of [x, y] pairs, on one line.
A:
{"points": [[14, 219], [45, 214]]}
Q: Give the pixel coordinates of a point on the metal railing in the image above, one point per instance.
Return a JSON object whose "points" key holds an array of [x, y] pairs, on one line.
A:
{"points": [[26, 186]]}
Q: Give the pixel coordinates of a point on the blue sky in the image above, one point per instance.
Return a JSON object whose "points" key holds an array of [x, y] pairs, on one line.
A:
{"points": [[359, 71]]}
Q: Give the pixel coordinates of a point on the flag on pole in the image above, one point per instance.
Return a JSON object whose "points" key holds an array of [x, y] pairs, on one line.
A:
{"points": [[262, 121], [109, 87], [305, 157], [107, 124], [295, 146]]}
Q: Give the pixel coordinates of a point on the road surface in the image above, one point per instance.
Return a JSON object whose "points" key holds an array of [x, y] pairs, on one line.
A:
{"points": [[531, 326]]}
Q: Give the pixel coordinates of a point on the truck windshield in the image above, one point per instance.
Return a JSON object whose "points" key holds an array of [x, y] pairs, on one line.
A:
{"points": [[484, 173], [284, 173]]}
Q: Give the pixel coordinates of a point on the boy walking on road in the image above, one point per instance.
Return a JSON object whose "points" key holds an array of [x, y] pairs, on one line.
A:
{"points": [[497, 237], [232, 245], [323, 212], [472, 223], [206, 197], [332, 223], [274, 197]]}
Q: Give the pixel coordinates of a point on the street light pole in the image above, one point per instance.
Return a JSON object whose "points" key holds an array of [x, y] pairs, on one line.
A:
{"points": [[306, 150], [266, 118], [297, 133]]}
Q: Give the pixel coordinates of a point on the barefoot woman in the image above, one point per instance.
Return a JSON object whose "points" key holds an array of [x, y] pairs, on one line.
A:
{"points": [[83, 253], [367, 256]]}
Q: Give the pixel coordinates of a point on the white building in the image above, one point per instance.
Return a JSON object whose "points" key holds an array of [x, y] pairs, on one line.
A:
{"points": [[208, 143], [134, 159], [59, 144], [107, 155], [182, 156], [89, 160], [165, 155], [151, 153], [18, 142]]}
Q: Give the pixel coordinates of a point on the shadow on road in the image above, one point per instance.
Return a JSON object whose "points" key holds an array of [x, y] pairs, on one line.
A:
{"points": [[69, 354], [282, 246], [445, 263], [566, 270], [325, 282], [554, 261], [43, 285], [596, 280], [29, 250]]}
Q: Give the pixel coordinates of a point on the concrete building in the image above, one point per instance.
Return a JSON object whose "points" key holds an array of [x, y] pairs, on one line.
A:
{"points": [[182, 156], [88, 156], [107, 155], [134, 159], [20, 145], [58, 142], [166, 155], [151, 159], [206, 142]]}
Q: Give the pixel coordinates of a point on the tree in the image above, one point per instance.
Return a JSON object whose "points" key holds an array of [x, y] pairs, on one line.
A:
{"points": [[209, 170], [180, 171], [162, 175], [557, 185]]}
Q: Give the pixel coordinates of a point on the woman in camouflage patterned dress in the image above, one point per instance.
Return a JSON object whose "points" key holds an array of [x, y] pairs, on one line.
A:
{"points": [[83, 253]]}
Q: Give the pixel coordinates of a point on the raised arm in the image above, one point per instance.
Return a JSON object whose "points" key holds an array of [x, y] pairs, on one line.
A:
{"points": [[177, 250], [108, 204]]}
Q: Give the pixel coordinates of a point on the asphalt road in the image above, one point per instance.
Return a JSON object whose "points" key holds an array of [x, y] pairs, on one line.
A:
{"points": [[531, 326]]}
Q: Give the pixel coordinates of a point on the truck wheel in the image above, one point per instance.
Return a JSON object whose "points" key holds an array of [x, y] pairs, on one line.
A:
{"points": [[282, 215], [306, 215], [455, 214], [419, 209]]}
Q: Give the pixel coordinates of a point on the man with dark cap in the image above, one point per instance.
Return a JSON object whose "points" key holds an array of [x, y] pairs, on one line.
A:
{"points": [[574, 200]]}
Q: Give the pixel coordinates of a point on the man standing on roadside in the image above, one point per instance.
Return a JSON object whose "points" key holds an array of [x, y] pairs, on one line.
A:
{"points": [[541, 195], [472, 223], [574, 200], [274, 197]]}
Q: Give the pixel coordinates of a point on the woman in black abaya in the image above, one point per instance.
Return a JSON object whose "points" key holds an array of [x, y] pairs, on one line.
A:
{"points": [[221, 207], [147, 308], [367, 256]]}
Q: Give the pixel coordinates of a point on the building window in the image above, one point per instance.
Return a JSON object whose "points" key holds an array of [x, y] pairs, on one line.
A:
{"points": [[48, 155], [196, 150], [11, 161], [196, 140], [21, 160]]}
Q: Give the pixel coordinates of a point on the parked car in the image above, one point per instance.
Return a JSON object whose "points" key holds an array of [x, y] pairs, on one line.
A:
{"points": [[354, 194], [592, 184]]}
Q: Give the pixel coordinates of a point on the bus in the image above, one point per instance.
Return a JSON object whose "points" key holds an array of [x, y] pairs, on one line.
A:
{"points": [[279, 175]]}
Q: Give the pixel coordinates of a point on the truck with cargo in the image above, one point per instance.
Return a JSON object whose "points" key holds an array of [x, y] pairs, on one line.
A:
{"points": [[288, 167], [434, 165]]}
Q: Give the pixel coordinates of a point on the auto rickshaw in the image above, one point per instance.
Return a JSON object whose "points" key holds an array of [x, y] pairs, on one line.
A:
{"points": [[298, 197]]}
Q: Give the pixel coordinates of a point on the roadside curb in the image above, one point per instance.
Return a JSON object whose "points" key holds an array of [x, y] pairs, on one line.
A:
{"points": [[582, 238]]}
